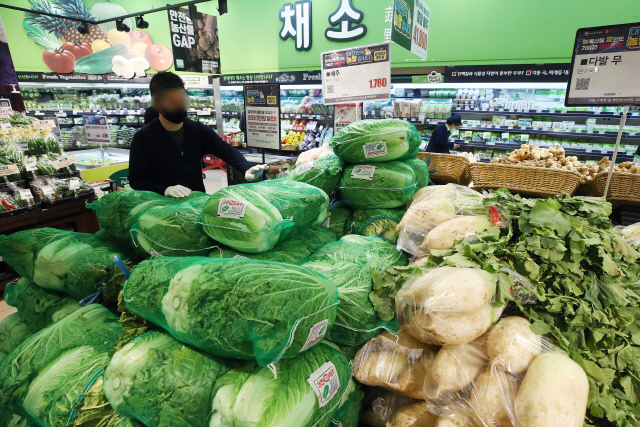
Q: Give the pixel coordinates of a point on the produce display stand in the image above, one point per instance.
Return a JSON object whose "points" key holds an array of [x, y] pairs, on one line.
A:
{"points": [[624, 188], [447, 168], [524, 180]]}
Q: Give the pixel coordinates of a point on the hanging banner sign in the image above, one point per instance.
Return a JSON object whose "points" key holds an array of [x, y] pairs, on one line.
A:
{"points": [[97, 129], [356, 74], [293, 77], [195, 43], [262, 112], [604, 67], [195, 81], [514, 73], [410, 27]]}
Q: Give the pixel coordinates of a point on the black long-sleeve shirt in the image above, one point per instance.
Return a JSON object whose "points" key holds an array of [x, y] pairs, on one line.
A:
{"points": [[439, 141], [157, 161]]}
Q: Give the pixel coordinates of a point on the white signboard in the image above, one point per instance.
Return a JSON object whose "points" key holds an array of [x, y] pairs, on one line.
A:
{"points": [[97, 129], [605, 65], [356, 74], [262, 112]]}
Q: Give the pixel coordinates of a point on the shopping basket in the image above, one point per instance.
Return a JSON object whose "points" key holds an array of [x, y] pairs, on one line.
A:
{"points": [[624, 189], [447, 168]]}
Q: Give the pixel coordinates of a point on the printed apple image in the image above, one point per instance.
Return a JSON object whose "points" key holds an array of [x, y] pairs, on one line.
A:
{"points": [[160, 57], [115, 37], [139, 36]]}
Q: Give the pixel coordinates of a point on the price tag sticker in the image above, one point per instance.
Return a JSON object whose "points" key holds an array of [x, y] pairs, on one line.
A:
{"points": [[72, 158], [109, 111], [597, 112], [8, 170], [30, 166], [539, 110], [604, 151], [491, 143], [77, 112], [509, 127], [5, 126], [589, 131], [47, 190], [421, 117], [74, 184], [633, 133], [39, 113], [205, 112], [363, 172], [25, 194], [523, 127], [635, 114], [588, 150], [43, 124], [61, 114], [563, 112], [601, 132]]}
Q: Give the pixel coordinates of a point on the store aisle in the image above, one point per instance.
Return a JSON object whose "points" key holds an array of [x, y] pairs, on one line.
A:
{"points": [[215, 180], [5, 310]]}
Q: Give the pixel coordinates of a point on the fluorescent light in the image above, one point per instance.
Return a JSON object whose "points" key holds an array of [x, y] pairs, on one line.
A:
{"points": [[480, 85]]}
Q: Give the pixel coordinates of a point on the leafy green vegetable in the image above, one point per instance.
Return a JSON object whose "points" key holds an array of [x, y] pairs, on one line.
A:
{"points": [[44, 38], [323, 173], [38, 307], [253, 218], [584, 289], [339, 219], [376, 141], [237, 308], [76, 264], [421, 170], [172, 230], [376, 222], [348, 414], [162, 382], [291, 251], [12, 332], [391, 186], [349, 263]]}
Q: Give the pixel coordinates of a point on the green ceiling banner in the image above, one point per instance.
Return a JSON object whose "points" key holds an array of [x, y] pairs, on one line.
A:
{"points": [[410, 27]]}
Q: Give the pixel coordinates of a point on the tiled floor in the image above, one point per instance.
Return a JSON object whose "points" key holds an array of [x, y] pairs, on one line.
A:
{"points": [[5, 310]]}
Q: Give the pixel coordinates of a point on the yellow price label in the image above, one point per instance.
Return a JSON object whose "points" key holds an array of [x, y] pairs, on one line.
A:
{"points": [[271, 100]]}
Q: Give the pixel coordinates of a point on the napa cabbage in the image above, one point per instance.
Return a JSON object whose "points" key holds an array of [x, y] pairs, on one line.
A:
{"points": [[376, 222], [421, 170], [323, 173], [339, 219], [12, 332], [377, 185]]}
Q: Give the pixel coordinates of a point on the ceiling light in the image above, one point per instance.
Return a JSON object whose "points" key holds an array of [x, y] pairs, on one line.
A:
{"points": [[141, 23], [121, 26]]}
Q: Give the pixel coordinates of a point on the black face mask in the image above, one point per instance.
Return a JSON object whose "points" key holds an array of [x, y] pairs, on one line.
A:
{"points": [[176, 117]]}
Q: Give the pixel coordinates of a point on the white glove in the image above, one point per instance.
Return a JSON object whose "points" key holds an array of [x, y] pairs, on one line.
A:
{"points": [[177, 191], [255, 172]]}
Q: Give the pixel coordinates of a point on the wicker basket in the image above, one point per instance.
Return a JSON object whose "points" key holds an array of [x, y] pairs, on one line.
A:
{"points": [[525, 180], [624, 189], [450, 168]]}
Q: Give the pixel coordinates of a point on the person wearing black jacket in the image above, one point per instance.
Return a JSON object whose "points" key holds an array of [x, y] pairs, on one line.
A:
{"points": [[166, 153], [439, 141]]}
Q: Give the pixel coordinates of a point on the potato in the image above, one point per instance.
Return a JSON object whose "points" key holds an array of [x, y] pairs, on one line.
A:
{"points": [[444, 236], [512, 344], [414, 415], [554, 392], [455, 367], [395, 363], [492, 398]]}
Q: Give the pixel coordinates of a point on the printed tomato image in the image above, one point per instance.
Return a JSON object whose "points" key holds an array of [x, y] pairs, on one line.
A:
{"points": [[160, 57], [59, 61], [78, 50]]}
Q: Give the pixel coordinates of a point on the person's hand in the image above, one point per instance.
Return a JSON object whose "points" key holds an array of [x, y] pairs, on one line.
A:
{"points": [[177, 191], [456, 146], [255, 172]]}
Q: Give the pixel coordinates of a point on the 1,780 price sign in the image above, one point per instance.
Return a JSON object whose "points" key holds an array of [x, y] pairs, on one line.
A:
{"points": [[356, 74]]}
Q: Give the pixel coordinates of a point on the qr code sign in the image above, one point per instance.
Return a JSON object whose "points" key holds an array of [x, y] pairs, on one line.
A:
{"points": [[583, 84], [329, 88]]}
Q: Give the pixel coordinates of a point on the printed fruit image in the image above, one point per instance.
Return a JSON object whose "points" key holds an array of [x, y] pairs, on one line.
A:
{"points": [[107, 10], [139, 36], [99, 45], [59, 61], [140, 47], [62, 29], [115, 37], [160, 57], [78, 50], [134, 52]]}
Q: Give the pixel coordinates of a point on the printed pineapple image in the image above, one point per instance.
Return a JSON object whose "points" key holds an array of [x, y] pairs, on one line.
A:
{"points": [[64, 29]]}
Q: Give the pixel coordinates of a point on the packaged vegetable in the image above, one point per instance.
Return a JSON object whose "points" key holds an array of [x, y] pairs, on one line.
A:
{"points": [[323, 173], [377, 185], [421, 170], [376, 222], [339, 219]]}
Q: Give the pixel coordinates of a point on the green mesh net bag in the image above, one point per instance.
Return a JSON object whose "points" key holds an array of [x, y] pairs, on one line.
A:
{"points": [[376, 141], [291, 251], [76, 264], [348, 413], [348, 263], [43, 376], [323, 173], [339, 216], [238, 308], [12, 332], [377, 185], [119, 210], [38, 307], [173, 230], [164, 383], [253, 218], [10, 420], [421, 170], [376, 222]]}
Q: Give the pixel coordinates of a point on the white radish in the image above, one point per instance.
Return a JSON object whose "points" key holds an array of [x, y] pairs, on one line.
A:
{"points": [[444, 236], [492, 398], [414, 415], [512, 344], [455, 419], [455, 367], [554, 392]]}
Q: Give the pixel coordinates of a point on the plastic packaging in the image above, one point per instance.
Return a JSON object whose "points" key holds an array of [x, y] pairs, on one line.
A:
{"points": [[376, 222], [448, 305], [173, 230], [238, 308], [323, 173], [376, 141], [253, 218], [421, 170], [631, 233], [339, 219], [379, 185], [398, 363], [291, 251], [435, 205], [348, 263], [12, 332], [313, 154]]}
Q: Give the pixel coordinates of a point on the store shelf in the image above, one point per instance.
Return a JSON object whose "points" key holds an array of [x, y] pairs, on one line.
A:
{"points": [[589, 114], [307, 116], [567, 151], [76, 113], [426, 121], [528, 129], [230, 114]]}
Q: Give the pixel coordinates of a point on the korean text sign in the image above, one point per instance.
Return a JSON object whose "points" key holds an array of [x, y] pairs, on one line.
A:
{"points": [[410, 27], [97, 129], [262, 111], [604, 68], [195, 41], [356, 74]]}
